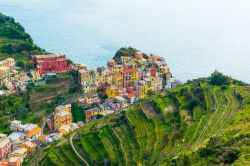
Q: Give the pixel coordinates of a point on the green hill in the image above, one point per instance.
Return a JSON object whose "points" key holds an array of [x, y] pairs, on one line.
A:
{"points": [[39, 101], [195, 124], [16, 43]]}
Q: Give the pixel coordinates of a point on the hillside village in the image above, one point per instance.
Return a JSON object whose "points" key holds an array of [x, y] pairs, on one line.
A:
{"points": [[105, 90]]}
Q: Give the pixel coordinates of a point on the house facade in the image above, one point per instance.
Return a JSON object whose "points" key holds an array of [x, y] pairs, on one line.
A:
{"points": [[5, 147], [51, 63]]}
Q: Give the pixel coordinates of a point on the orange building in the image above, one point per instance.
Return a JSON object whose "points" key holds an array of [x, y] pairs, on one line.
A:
{"points": [[35, 133]]}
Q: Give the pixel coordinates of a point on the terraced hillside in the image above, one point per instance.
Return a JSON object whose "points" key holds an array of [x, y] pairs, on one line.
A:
{"points": [[39, 101], [196, 123]]}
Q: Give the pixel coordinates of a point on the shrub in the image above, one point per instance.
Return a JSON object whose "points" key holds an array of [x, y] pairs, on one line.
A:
{"points": [[219, 79]]}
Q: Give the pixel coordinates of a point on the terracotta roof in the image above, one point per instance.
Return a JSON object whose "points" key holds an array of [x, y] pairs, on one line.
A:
{"points": [[42, 137], [34, 132], [130, 70]]}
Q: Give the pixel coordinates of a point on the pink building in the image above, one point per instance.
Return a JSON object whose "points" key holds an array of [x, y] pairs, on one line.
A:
{"points": [[5, 147], [139, 55]]}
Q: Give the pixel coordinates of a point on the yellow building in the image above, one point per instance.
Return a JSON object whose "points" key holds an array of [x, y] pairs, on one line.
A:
{"points": [[143, 88], [117, 79], [100, 75], [111, 91], [91, 97], [125, 59], [30, 146], [108, 79], [62, 116], [89, 114], [66, 108], [4, 73], [9, 62], [83, 76], [35, 75], [65, 129], [156, 83], [117, 68]]}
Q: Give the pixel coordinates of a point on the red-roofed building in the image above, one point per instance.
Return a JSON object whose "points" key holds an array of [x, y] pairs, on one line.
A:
{"points": [[51, 63]]}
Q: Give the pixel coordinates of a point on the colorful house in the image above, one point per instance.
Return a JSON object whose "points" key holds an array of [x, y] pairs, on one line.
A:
{"points": [[65, 129], [117, 79], [12, 161], [111, 91], [156, 83], [113, 104], [138, 55], [34, 133], [9, 62], [62, 117], [108, 79], [5, 147], [51, 63], [35, 75], [125, 59], [111, 63], [117, 68], [122, 100], [20, 152], [30, 146], [91, 113], [132, 98], [4, 73], [91, 97], [130, 76], [66, 108], [100, 77], [143, 87], [24, 131]]}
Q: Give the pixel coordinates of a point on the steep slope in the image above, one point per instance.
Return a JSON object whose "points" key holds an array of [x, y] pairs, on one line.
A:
{"points": [[34, 105], [16, 43], [196, 123]]}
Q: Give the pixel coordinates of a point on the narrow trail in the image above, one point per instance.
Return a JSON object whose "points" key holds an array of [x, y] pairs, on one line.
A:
{"points": [[124, 152], [202, 132], [208, 122], [78, 155]]}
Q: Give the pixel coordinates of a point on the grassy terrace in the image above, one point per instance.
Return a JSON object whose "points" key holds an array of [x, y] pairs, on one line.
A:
{"points": [[166, 129]]}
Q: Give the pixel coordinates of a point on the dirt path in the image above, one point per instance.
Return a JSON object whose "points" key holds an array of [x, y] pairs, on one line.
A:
{"points": [[72, 145]]}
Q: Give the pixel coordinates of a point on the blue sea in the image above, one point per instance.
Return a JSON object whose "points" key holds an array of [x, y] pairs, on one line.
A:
{"points": [[196, 37]]}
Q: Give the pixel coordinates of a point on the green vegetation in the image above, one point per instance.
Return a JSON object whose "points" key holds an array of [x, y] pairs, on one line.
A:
{"points": [[34, 105], [130, 52], [218, 78], [194, 124], [78, 112], [16, 43]]}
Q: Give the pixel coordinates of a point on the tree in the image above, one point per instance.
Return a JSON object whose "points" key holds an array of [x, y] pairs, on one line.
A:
{"points": [[78, 113], [219, 79]]}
